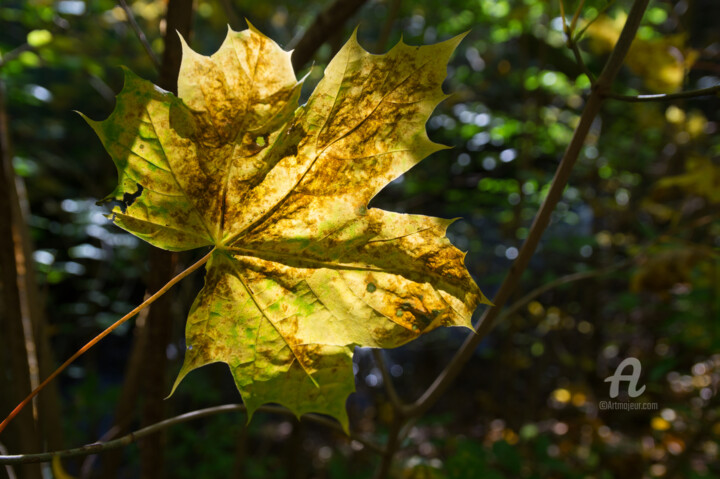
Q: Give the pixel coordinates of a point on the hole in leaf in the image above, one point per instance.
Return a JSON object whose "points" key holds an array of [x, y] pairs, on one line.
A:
{"points": [[127, 200], [371, 288]]}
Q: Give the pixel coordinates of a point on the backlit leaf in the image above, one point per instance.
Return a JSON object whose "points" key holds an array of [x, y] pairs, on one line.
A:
{"points": [[302, 271]]}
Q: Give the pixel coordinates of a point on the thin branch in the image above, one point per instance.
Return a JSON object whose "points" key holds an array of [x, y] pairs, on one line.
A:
{"points": [[100, 336], [710, 91], [570, 278], [324, 27], [8, 468], [395, 400], [489, 319], [140, 34], [230, 13], [132, 437], [573, 46], [13, 54], [393, 444], [575, 17], [582, 31], [388, 26]]}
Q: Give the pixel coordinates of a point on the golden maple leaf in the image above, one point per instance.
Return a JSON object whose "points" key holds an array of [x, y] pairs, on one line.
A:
{"points": [[302, 271]]}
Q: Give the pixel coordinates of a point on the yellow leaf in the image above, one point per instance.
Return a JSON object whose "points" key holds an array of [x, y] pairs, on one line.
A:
{"points": [[302, 270]]}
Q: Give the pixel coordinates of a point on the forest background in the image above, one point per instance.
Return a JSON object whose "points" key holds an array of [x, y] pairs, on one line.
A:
{"points": [[627, 268]]}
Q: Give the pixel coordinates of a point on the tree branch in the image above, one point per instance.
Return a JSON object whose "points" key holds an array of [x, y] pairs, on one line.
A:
{"points": [[8, 468], [140, 34], [393, 444], [512, 279], [123, 441], [573, 46], [570, 278], [395, 400], [230, 13], [100, 336], [710, 91], [388, 26], [325, 25], [13, 54]]}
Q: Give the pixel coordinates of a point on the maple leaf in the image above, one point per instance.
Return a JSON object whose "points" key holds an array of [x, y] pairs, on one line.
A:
{"points": [[302, 271]]}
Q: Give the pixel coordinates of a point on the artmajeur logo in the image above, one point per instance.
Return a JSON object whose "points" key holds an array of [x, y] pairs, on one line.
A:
{"points": [[632, 378]]}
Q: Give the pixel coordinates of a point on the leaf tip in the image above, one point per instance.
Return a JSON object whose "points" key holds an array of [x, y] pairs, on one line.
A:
{"points": [[455, 41], [252, 27], [183, 43]]}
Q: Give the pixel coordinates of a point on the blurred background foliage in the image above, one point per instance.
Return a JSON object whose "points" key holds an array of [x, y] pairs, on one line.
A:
{"points": [[642, 201]]}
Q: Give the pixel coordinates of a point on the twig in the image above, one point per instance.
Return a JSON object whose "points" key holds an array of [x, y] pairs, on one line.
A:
{"points": [[394, 435], [325, 25], [140, 34], [582, 31], [395, 400], [710, 91], [570, 278], [562, 15], [123, 441], [388, 26], [8, 468], [575, 17], [542, 219], [573, 46], [230, 13], [100, 336], [13, 54]]}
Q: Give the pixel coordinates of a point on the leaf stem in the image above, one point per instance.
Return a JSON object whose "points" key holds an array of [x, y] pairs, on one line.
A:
{"points": [[132, 437], [100, 336]]}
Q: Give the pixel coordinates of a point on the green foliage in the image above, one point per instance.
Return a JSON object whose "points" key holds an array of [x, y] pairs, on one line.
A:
{"points": [[636, 193]]}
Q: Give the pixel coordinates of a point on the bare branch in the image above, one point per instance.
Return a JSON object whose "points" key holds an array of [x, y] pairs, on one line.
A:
{"points": [[573, 46], [393, 444], [8, 468], [140, 34], [395, 400], [230, 13], [100, 336], [582, 31], [387, 27], [13, 54], [575, 17], [710, 91], [489, 319], [326, 24], [123, 441], [570, 278]]}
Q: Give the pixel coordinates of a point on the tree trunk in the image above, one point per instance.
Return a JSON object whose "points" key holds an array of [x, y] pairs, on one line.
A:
{"points": [[162, 266], [15, 326]]}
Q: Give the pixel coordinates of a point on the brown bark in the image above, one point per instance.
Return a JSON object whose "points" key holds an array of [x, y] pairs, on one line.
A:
{"points": [[16, 379], [48, 403], [126, 405], [162, 265]]}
